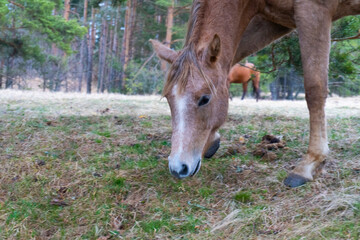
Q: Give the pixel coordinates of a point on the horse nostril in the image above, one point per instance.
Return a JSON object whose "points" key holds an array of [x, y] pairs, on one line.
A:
{"points": [[184, 170], [181, 172]]}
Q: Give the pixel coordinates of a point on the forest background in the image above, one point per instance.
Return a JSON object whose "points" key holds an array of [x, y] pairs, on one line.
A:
{"points": [[102, 46]]}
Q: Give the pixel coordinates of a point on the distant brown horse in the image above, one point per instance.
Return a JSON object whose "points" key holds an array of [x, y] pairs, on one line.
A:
{"points": [[244, 74], [221, 33]]}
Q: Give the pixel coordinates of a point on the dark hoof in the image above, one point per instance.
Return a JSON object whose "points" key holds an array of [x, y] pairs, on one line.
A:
{"points": [[212, 150], [294, 180]]}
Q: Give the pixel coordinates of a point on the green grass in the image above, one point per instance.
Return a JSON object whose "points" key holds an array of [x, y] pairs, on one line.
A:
{"points": [[106, 134], [206, 192], [116, 184], [243, 196], [281, 175], [75, 173], [342, 230]]}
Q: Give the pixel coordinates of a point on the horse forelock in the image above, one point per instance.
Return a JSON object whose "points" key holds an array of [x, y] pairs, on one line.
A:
{"points": [[182, 69], [179, 71], [187, 61]]}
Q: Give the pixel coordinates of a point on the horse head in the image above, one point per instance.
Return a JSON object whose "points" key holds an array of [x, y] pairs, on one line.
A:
{"points": [[197, 92]]}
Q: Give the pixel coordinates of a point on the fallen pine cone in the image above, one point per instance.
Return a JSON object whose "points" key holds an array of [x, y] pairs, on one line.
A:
{"points": [[58, 202], [104, 110], [270, 139], [241, 140], [275, 146], [235, 149], [259, 152], [269, 156]]}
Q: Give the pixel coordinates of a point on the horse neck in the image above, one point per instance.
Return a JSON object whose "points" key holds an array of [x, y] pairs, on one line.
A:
{"points": [[346, 8], [226, 18]]}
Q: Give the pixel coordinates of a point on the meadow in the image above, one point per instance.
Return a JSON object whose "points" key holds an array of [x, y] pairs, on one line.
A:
{"points": [[76, 166]]}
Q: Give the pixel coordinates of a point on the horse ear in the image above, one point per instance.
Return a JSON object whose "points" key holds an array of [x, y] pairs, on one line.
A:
{"points": [[214, 49], [163, 51]]}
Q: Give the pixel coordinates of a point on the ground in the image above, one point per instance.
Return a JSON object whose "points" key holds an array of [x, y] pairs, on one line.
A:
{"points": [[75, 166]]}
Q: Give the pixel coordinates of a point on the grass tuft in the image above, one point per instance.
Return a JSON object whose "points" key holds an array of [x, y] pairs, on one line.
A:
{"points": [[243, 196]]}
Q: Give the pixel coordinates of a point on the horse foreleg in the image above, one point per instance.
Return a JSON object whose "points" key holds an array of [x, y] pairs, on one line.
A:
{"points": [[256, 84], [314, 36], [257, 93], [244, 90], [230, 96]]}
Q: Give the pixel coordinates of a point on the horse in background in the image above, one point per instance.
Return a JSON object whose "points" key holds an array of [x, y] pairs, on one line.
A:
{"points": [[245, 74]]}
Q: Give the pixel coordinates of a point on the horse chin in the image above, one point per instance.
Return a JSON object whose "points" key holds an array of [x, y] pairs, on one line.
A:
{"points": [[197, 168]]}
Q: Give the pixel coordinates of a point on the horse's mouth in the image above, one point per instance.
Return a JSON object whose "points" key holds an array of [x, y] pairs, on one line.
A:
{"points": [[197, 168]]}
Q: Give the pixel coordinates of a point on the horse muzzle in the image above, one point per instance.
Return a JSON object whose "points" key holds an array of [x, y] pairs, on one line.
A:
{"points": [[182, 170]]}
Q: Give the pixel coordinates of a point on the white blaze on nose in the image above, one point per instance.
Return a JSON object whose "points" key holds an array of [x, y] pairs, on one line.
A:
{"points": [[184, 159], [181, 103]]}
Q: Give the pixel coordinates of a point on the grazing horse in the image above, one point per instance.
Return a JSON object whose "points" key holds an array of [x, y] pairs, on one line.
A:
{"points": [[244, 74], [221, 33]]}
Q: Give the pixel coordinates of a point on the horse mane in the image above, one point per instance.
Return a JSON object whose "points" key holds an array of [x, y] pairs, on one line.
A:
{"points": [[195, 22], [187, 60]]}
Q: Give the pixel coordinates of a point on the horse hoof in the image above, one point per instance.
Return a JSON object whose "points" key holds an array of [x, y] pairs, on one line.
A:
{"points": [[212, 150], [295, 180]]}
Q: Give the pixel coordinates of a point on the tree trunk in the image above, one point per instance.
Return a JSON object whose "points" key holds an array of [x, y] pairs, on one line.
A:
{"points": [[57, 78], [9, 62], [110, 55], [9, 80], [65, 70], [91, 43], [124, 57], [44, 83], [66, 9], [114, 49], [1, 72], [132, 36], [53, 46], [102, 54], [82, 72], [169, 26], [54, 52]]}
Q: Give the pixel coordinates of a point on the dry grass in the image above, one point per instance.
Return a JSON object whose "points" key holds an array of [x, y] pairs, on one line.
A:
{"points": [[82, 104], [76, 166]]}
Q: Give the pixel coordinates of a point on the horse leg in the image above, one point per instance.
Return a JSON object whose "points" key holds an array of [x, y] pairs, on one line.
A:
{"points": [[244, 90], [256, 84], [257, 93], [314, 36]]}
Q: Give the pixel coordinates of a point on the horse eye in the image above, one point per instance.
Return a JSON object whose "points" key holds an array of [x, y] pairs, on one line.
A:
{"points": [[204, 100]]}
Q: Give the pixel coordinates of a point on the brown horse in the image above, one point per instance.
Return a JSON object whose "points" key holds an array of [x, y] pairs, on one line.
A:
{"points": [[244, 74], [226, 31]]}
